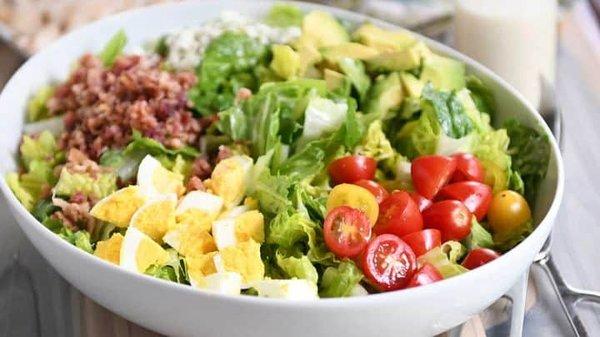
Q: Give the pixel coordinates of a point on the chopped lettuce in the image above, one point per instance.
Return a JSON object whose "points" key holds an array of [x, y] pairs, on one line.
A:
{"points": [[375, 143], [228, 65], [479, 237], [79, 239], [450, 113], [530, 151], [42, 147], [298, 267], [174, 270], [506, 241], [36, 107], [113, 48], [96, 186], [323, 116], [356, 74], [482, 95], [491, 149], [340, 280], [24, 196], [284, 15], [445, 259]]}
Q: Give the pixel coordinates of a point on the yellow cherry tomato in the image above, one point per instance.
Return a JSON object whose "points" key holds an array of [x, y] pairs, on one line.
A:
{"points": [[356, 197], [508, 211]]}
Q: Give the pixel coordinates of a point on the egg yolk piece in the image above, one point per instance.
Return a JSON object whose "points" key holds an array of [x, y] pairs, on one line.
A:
{"points": [[156, 217], [119, 207], [110, 249], [244, 258]]}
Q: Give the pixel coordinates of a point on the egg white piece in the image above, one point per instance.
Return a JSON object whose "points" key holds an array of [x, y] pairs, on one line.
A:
{"points": [[223, 231], [230, 179], [234, 212], [148, 170], [228, 283], [132, 240], [294, 289], [206, 202]]}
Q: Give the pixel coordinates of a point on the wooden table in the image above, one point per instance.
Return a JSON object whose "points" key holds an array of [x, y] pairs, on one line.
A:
{"points": [[35, 301]]}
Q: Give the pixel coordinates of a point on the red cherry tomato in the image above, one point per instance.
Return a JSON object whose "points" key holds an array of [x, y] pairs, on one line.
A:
{"points": [[388, 262], [377, 190], [423, 241], [475, 195], [478, 257], [347, 231], [450, 217], [426, 275], [420, 200], [352, 168], [468, 168], [431, 173], [399, 215]]}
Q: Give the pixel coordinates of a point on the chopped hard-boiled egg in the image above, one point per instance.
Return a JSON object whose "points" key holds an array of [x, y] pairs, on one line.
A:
{"points": [[138, 252], [156, 217], [198, 208], [243, 258], [243, 227], [110, 249], [190, 240], [230, 179], [199, 266], [118, 207], [228, 283], [154, 180], [294, 289]]}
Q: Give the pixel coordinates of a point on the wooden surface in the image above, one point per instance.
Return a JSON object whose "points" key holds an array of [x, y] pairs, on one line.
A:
{"points": [[35, 301]]}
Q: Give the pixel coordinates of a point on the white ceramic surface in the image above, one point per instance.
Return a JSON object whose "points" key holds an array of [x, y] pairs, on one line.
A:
{"points": [[178, 310]]}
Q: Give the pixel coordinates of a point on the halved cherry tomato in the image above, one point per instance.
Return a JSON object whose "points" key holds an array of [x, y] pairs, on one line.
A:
{"points": [[478, 257], [347, 231], [355, 197], [399, 215], [426, 275], [377, 190], [450, 217], [352, 168], [475, 195], [388, 262], [420, 200], [423, 241], [468, 168], [431, 173]]}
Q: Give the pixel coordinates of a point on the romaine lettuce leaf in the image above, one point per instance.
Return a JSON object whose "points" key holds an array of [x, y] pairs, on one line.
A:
{"points": [[375, 143], [36, 107], [356, 74], [491, 149], [42, 147], [444, 259], [79, 239], [340, 280], [323, 116], [530, 153], [299, 267], [482, 95], [96, 186], [479, 237], [284, 15], [24, 196]]}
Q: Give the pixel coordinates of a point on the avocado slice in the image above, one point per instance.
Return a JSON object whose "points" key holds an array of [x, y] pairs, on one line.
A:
{"points": [[444, 73], [337, 82], [405, 59], [349, 49], [308, 53], [385, 95], [383, 40], [286, 62], [412, 85], [323, 30]]}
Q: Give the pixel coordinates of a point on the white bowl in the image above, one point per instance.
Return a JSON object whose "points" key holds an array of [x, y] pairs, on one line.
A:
{"points": [[178, 310]]}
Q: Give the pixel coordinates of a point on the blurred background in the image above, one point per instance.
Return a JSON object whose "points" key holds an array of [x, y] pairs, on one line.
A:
{"points": [[548, 50]]}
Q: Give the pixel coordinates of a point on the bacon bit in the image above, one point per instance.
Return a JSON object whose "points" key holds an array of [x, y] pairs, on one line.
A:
{"points": [[195, 184]]}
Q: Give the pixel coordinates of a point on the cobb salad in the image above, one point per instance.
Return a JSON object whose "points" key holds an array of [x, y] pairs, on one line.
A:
{"points": [[298, 157]]}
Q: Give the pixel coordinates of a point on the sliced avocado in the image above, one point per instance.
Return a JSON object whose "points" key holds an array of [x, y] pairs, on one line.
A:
{"points": [[395, 61], [309, 54], [385, 95], [444, 73], [323, 29], [286, 62], [337, 82], [349, 49], [412, 85], [383, 40]]}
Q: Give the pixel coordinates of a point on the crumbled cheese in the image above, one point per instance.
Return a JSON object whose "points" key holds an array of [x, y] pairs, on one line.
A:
{"points": [[186, 46]]}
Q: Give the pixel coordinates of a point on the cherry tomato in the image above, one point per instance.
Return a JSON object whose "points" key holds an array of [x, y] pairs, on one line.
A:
{"points": [[478, 257], [399, 215], [508, 211], [347, 231], [468, 168], [431, 173], [423, 241], [420, 200], [355, 197], [377, 190], [450, 217], [352, 168], [426, 275], [388, 262], [476, 196]]}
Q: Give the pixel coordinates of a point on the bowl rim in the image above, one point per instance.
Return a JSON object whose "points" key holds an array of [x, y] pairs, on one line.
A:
{"points": [[94, 262]]}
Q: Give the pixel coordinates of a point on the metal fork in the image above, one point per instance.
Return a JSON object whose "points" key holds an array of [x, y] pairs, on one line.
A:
{"points": [[568, 296]]}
